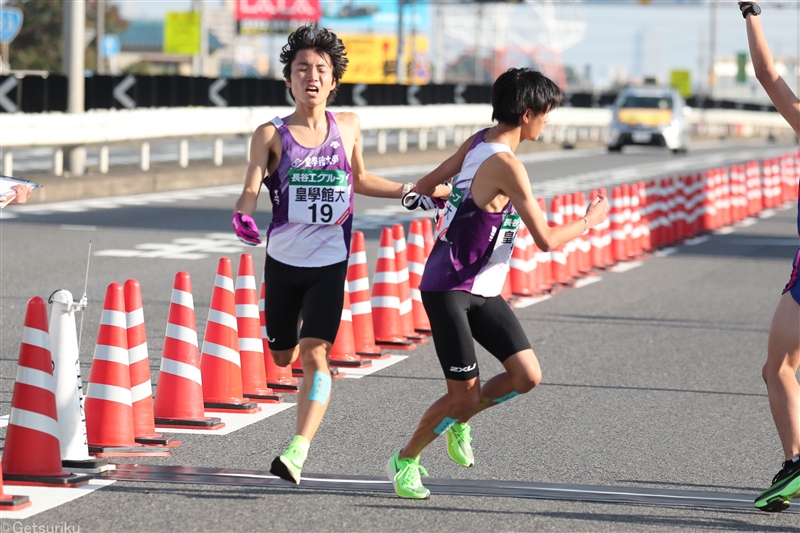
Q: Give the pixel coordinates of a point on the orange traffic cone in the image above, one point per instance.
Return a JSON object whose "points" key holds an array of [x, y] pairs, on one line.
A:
{"points": [[251, 347], [360, 306], [385, 299], [403, 286], [519, 272], [616, 215], [543, 259], [416, 265], [32, 454], [427, 235], [596, 239], [9, 502], [179, 392], [279, 378], [557, 255], [144, 429], [343, 351], [220, 363], [109, 411]]}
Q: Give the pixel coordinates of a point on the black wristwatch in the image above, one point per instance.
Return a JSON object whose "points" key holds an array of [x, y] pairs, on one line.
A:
{"points": [[755, 9]]}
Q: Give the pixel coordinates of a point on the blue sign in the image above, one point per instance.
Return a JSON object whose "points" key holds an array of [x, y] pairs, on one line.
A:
{"points": [[10, 23], [110, 46]]}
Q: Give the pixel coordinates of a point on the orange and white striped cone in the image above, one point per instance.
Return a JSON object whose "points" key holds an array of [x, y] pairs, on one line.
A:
{"points": [[636, 222], [360, 300], [583, 242], [109, 406], [644, 210], [416, 265], [596, 239], [616, 216], [626, 217], [753, 181], [220, 362], [544, 265], [10, 502], [404, 287], [279, 378], [251, 347], [519, 266], [533, 262], [570, 248], [385, 299], [144, 430], [343, 351], [558, 255], [31, 454], [708, 219], [179, 391], [605, 232], [428, 236]]}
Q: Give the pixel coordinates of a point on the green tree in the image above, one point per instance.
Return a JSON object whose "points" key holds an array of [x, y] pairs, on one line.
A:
{"points": [[39, 45]]}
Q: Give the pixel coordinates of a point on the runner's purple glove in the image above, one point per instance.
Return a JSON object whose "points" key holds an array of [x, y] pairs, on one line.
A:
{"points": [[245, 228]]}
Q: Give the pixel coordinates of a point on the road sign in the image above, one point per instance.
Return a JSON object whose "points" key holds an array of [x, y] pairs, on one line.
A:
{"points": [[182, 33], [10, 23], [110, 46]]}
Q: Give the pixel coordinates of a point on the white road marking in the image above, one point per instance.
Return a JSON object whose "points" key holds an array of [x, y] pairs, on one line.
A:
{"points": [[624, 267], [187, 248], [74, 227], [233, 421], [45, 498], [583, 282], [525, 301]]}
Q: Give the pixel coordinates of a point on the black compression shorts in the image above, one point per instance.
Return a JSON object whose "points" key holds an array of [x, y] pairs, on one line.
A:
{"points": [[456, 317], [317, 292]]}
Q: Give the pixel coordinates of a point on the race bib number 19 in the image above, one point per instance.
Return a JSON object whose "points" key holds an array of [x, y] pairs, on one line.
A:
{"points": [[504, 245], [318, 196]]}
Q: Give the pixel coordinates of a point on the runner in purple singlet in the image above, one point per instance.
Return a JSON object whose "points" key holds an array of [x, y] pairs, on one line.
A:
{"points": [[464, 275], [311, 164], [783, 347]]}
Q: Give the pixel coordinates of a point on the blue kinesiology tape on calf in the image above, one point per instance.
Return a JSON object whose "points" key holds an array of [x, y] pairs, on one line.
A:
{"points": [[506, 397], [446, 424], [320, 388]]}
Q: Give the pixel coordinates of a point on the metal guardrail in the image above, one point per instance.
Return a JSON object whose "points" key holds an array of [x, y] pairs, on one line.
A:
{"points": [[102, 128]]}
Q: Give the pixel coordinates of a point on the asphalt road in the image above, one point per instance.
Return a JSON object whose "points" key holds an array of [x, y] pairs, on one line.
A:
{"points": [[651, 378]]}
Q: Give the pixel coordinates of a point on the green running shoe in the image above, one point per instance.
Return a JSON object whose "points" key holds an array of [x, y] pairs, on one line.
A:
{"points": [[459, 444], [289, 465], [404, 474], [785, 486]]}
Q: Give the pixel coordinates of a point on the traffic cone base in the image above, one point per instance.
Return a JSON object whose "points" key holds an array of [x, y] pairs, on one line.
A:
{"points": [[157, 439], [65, 480], [9, 502], [374, 353], [348, 360], [93, 465], [406, 345], [284, 384], [229, 406], [264, 396], [129, 451], [335, 374], [209, 422]]}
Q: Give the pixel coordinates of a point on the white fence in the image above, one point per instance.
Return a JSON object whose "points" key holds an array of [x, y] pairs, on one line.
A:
{"points": [[105, 127]]}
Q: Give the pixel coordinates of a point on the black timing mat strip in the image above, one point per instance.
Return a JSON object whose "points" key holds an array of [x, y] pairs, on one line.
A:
{"points": [[452, 487]]}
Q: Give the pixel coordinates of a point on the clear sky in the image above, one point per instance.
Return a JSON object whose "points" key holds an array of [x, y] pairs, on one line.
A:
{"points": [[612, 29]]}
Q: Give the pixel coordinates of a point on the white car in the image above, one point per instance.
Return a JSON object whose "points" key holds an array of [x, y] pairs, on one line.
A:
{"points": [[649, 116]]}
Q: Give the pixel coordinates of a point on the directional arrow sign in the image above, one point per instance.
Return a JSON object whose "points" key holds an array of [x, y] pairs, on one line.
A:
{"points": [[411, 95], [358, 89], [121, 92], [458, 96], [6, 87], [213, 92], [10, 23]]}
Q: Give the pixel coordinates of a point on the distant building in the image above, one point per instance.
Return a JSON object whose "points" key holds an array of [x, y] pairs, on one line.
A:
{"points": [[142, 42], [650, 54], [727, 87]]}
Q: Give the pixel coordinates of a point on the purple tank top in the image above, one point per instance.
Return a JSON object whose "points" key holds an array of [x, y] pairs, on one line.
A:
{"points": [[312, 200], [473, 247]]}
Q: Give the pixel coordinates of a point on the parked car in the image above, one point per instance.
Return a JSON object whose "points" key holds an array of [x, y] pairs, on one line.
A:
{"points": [[649, 116]]}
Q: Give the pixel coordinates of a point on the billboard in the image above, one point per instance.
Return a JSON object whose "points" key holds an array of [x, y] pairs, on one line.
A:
{"points": [[373, 59], [374, 16], [298, 10], [182, 33]]}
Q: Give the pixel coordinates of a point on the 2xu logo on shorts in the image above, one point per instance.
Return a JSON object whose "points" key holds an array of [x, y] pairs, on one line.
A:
{"points": [[463, 368]]}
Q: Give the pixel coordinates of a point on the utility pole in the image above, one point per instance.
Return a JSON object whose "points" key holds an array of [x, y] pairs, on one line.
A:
{"points": [[438, 58], [712, 48], [199, 60], [401, 68], [74, 41], [101, 31]]}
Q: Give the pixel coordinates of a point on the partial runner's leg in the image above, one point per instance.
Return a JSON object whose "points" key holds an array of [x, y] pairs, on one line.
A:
{"points": [[780, 375]]}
